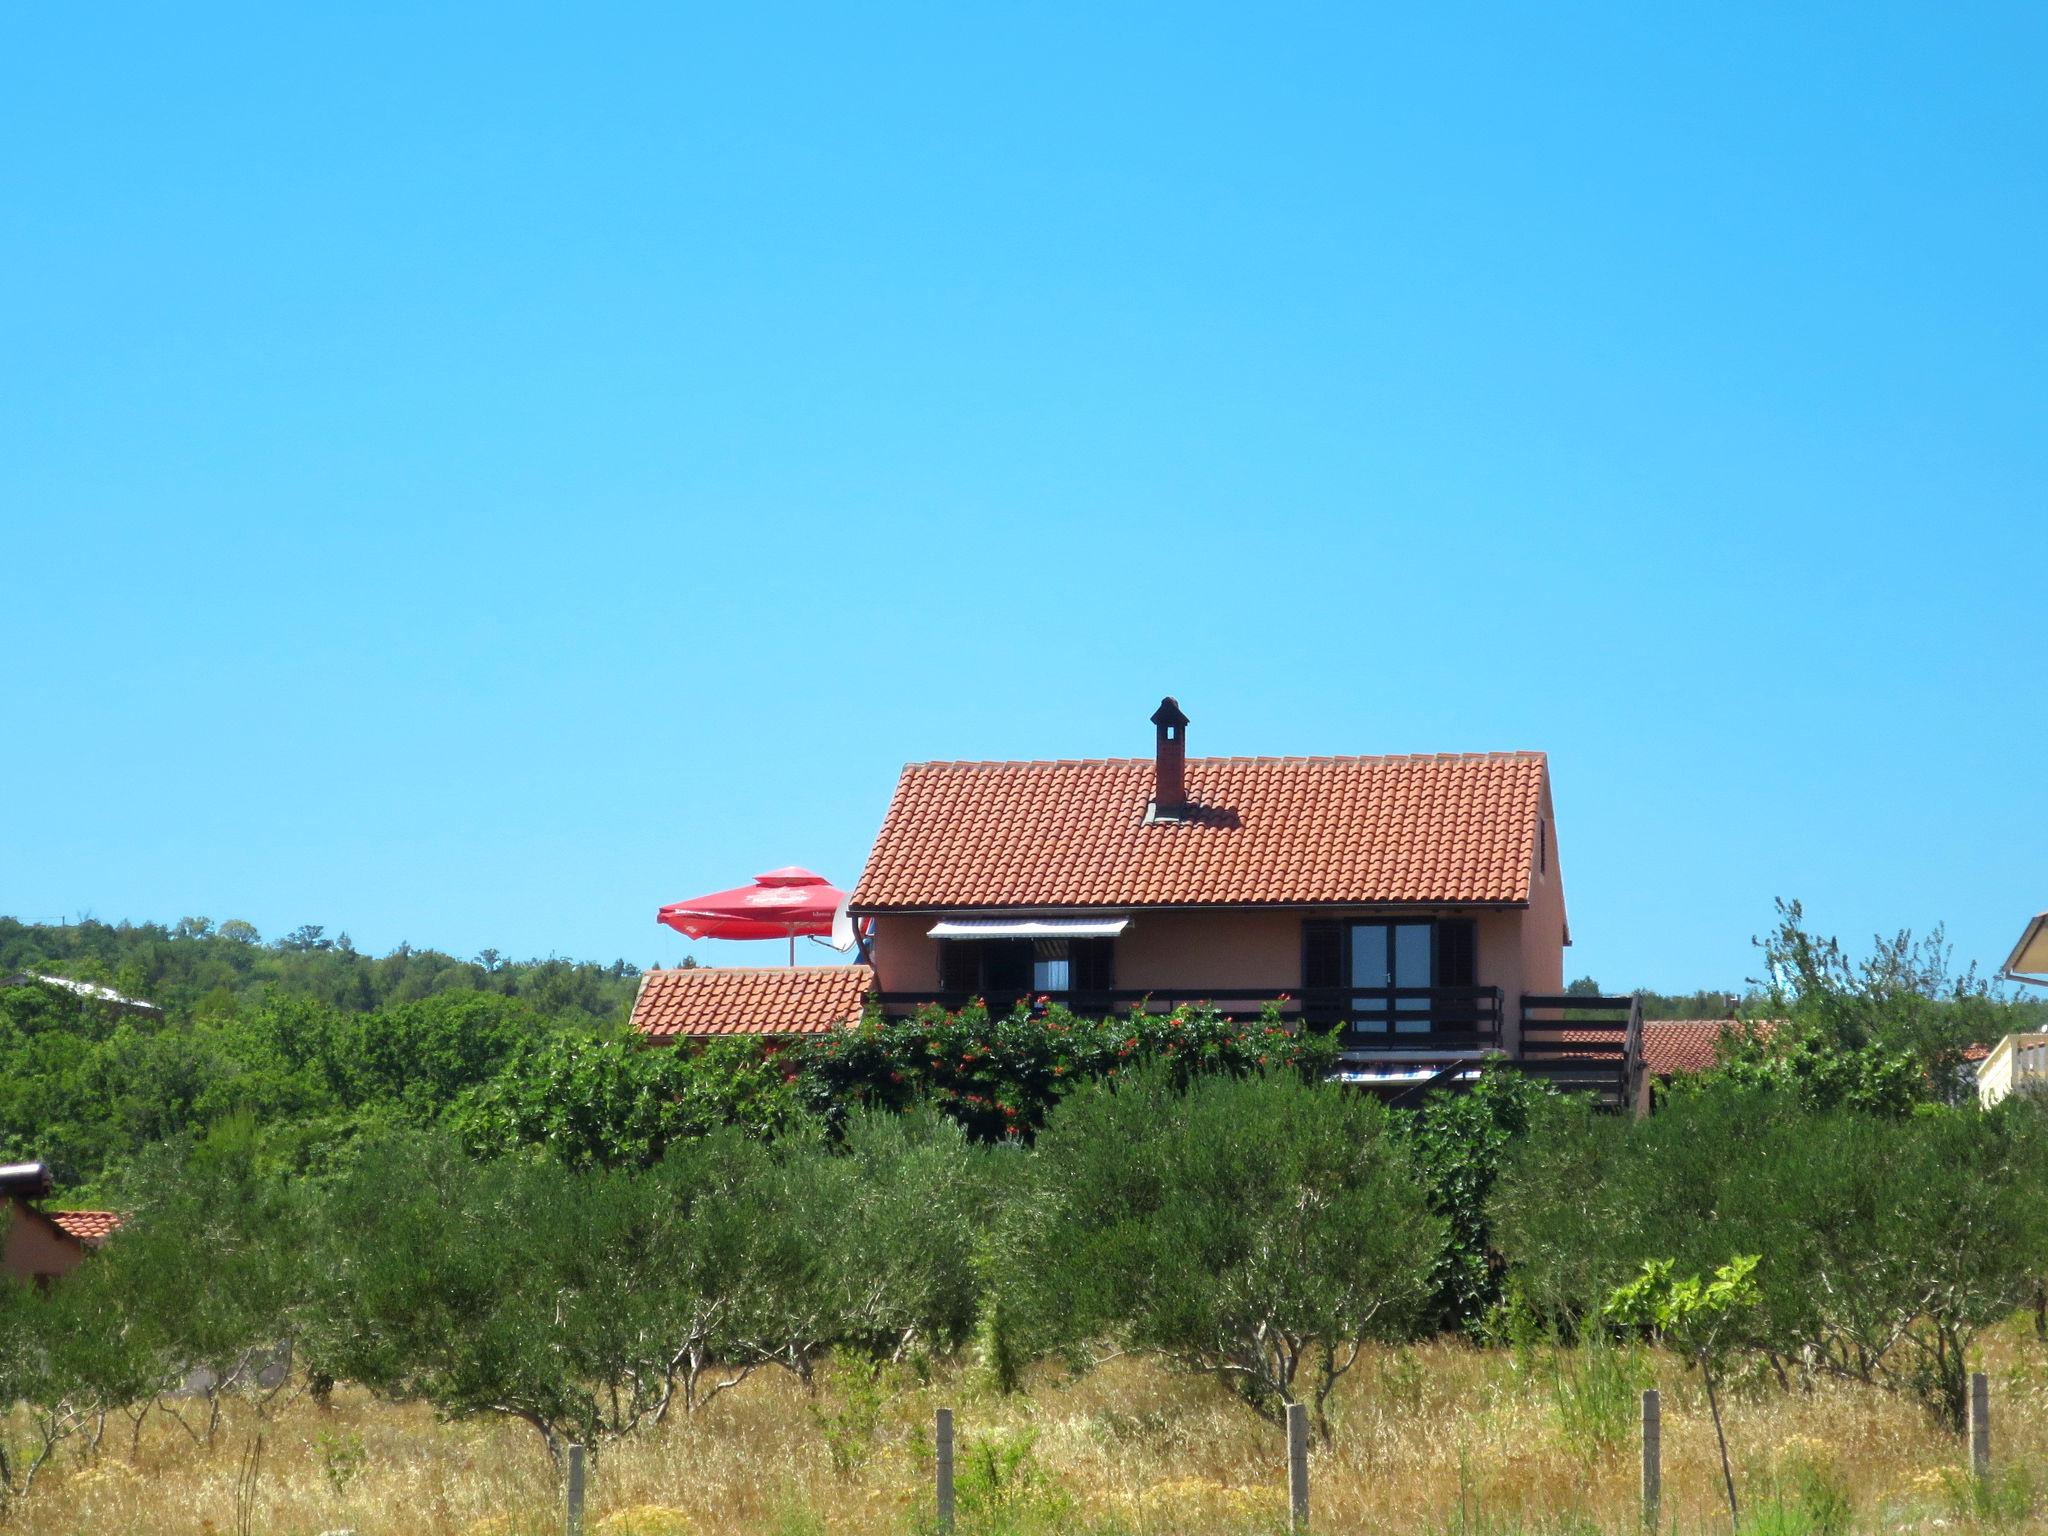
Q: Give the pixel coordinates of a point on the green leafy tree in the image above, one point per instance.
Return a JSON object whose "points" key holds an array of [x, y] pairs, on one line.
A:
{"points": [[1904, 996], [1258, 1230], [1703, 1320], [1460, 1140], [1888, 1242]]}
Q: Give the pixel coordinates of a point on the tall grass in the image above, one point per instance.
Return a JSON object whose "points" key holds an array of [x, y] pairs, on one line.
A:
{"points": [[1435, 1440]]}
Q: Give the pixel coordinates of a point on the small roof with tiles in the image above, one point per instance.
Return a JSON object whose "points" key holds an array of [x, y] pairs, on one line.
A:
{"points": [[702, 1001], [1449, 829], [1671, 1046], [87, 1226]]}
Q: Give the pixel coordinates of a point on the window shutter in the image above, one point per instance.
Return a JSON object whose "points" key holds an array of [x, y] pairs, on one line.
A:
{"points": [[1006, 967], [1322, 965], [1093, 969], [959, 965], [1457, 952], [1322, 954]]}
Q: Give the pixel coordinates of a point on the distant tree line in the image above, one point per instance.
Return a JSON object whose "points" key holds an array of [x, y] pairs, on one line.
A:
{"points": [[197, 968]]}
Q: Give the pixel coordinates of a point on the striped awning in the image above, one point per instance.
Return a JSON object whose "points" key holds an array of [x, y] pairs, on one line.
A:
{"points": [[1029, 928]]}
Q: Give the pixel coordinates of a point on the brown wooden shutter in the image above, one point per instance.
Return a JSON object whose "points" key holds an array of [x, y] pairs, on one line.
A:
{"points": [[1322, 966], [959, 965], [1322, 954], [1457, 952], [1091, 967], [1006, 967]]}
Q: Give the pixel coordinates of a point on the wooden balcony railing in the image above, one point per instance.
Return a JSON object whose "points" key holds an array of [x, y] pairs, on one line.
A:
{"points": [[1570, 1038]]}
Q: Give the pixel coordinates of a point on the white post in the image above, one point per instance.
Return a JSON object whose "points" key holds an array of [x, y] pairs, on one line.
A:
{"points": [[1297, 1467], [575, 1526], [1980, 1424], [1653, 1458], [943, 1439]]}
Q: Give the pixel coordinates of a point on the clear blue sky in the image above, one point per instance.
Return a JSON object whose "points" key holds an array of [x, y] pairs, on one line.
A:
{"points": [[470, 474]]}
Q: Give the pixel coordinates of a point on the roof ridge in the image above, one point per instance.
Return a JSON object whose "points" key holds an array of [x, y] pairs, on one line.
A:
{"points": [[1513, 754], [753, 970]]}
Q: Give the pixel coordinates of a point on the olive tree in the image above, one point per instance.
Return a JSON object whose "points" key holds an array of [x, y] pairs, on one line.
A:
{"points": [[517, 1287], [1257, 1230], [1885, 1244]]}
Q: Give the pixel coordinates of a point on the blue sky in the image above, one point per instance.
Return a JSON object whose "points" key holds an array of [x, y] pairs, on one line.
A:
{"points": [[472, 474]]}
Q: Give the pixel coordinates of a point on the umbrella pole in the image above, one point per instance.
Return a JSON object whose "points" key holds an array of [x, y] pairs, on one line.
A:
{"points": [[792, 945]]}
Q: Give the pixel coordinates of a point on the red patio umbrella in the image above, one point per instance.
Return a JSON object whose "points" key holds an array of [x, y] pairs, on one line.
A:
{"points": [[782, 903]]}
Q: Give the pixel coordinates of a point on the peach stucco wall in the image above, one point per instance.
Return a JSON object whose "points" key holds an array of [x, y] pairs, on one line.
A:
{"points": [[1519, 949], [31, 1246]]}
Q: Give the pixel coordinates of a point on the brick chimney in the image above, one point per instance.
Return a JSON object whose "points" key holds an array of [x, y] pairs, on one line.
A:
{"points": [[1170, 754]]}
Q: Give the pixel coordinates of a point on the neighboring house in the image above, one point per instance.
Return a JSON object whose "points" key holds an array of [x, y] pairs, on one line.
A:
{"points": [[2017, 1064], [1416, 903], [699, 1002], [41, 1245], [85, 991], [2018, 1061], [1680, 1047]]}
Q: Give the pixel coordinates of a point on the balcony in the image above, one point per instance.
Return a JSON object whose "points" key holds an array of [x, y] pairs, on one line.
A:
{"points": [[1407, 1019], [1402, 1040]]}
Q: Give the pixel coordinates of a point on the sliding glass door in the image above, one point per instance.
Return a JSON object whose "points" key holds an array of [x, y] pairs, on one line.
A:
{"points": [[1391, 955]]}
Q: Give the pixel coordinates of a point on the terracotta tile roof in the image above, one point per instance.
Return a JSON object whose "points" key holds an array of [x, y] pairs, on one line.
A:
{"points": [[753, 1000], [86, 1226], [1670, 1046], [1685, 1045], [1454, 828], [1976, 1052]]}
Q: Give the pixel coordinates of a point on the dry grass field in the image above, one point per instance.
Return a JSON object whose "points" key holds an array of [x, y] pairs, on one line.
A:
{"points": [[1438, 1438]]}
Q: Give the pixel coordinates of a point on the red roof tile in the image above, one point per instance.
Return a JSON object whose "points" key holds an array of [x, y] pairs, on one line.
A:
{"points": [[1446, 829], [764, 1000], [1670, 1046], [86, 1226]]}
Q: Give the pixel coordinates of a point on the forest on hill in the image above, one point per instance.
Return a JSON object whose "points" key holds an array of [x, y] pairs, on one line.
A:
{"points": [[197, 968]]}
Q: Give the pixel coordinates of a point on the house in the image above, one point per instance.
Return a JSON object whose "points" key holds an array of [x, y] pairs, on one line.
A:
{"points": [[1415, 903], [40, 1245], [85, 992], [2017, 1064], [702, 1002], [1674, 1048]]}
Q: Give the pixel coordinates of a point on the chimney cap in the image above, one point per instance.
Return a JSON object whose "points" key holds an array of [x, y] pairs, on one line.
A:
{"points": [[1168, 712], [31, 1181]]}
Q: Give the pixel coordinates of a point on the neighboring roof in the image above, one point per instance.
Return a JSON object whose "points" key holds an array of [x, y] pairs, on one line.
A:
{"points": [[81, 989], [86, 1226], [1670, 1046], [1451, 829], [2029, 958], [764, 1000]]}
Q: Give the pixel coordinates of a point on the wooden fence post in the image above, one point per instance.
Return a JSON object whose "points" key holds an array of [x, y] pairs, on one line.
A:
{"points": [[575, 1526], [1297, 1467], [1980, 1425], [1653, 1458], [942, 1438]]}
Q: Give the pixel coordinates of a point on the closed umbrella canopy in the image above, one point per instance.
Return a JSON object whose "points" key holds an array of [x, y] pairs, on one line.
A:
{"points": [[783, 903]]}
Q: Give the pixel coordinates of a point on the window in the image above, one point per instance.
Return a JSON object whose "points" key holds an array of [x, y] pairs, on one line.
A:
{"points": [[1005, 969], [1542, 846], [1379, 956], [1051, 967]]}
